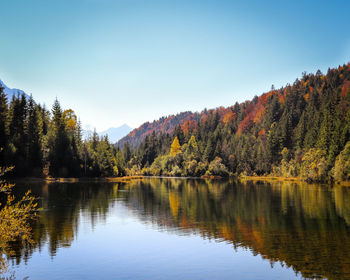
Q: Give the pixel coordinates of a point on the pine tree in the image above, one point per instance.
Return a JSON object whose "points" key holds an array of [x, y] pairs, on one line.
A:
{"points": [[192, 148], [3, 126], [58, 144], [18, 115], [34, 150]]}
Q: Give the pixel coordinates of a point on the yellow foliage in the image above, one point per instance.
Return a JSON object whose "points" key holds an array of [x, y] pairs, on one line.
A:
{"points": [[70, 119], [14, 217], [175, 147], [116, 171]]}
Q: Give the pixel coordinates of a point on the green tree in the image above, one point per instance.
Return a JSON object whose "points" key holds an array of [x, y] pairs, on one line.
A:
{"points": [[3, 126], [192, 149], [342, 164], [34, 158]]}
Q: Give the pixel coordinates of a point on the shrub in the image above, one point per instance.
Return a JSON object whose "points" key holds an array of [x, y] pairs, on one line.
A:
{"points": [[314, 165], [216, 168], [341, 168]]}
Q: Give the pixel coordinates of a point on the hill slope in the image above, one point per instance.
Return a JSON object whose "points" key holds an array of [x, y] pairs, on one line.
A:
{"points": [[163, 125], [301, 129]]}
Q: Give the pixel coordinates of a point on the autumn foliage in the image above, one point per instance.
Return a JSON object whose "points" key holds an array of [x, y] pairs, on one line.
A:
{"points": [[307, 118]]}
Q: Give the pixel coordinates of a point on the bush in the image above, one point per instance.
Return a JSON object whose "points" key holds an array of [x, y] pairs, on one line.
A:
{"points": [[314, 165], [176, 171], [216, 168], [190, 168], [201, 168], [341, 168], [146, 171]]}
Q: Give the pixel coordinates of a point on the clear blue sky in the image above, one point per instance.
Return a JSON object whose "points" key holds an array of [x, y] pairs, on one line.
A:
{"points": [[127, 61]]}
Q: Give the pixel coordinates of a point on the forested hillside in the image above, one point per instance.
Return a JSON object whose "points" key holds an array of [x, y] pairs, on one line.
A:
{"points": [[165, 125], [301, 129]]}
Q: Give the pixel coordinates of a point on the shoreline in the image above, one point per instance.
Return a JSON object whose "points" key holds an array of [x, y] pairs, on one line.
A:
{"points": [[139, 177], [74, 180]]}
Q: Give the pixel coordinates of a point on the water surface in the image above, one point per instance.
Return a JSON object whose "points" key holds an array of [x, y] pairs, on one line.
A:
{"points": [[188, 229]]}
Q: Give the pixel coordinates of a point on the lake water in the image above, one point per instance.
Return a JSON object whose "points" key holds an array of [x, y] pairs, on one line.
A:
{"points": [[188, 229]]}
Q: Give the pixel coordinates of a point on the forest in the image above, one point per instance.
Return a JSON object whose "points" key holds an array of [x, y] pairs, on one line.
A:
{"points": [[38, 142], [300, 130]]}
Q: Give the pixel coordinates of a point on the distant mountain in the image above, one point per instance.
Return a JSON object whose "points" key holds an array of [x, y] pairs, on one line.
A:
{"points": [[12, 91], [114, 133]]}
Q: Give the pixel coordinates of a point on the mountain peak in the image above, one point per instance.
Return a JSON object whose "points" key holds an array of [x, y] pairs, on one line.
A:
{"points": [[10, 92], [114, 133]]}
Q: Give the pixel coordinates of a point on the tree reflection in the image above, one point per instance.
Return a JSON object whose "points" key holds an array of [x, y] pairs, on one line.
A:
{"points": [[306, 227], [303, 226]]}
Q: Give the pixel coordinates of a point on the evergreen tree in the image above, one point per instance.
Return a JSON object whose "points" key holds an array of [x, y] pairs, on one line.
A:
{"points": [[34, 159], [18, 115], [3, 126]]}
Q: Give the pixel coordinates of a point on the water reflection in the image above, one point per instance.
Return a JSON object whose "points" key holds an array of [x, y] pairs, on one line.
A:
{"points": [[306, 227]]}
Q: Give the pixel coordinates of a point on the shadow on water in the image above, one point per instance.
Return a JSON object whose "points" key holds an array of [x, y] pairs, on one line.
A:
{"points": [[306, 227]]}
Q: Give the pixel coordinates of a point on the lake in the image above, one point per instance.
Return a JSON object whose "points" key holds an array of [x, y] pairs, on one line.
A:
{"points": [[187, 229]]}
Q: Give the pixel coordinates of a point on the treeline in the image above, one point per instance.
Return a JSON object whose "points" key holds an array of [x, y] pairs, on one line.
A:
{"points": [[301, 129], [39, 142]]}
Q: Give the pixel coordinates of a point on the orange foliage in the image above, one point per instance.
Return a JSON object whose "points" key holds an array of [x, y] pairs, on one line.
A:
{"points": [[262, 132], [204, 117], [307, 96], [254, 113], [305, 83], [246, 123], [281, 98], [259, 114], [345, 88], [229, 116], [188, 125]]}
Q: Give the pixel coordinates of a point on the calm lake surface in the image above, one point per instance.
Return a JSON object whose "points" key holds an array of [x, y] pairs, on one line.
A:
{"points": [[188, 229]]}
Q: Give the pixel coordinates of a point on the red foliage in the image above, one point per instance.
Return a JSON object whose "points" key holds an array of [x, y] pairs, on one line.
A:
{"points": [[345, 88], [254, 113], [188, 125], [246, 124]]}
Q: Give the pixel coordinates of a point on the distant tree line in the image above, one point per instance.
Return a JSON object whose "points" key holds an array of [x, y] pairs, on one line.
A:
{"points": [[300, 130], [39, 142]]}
